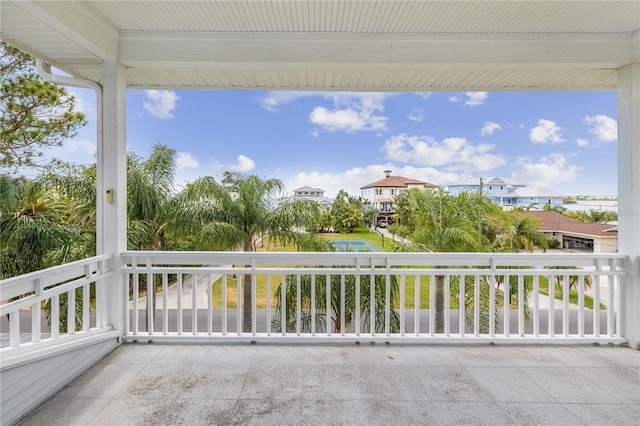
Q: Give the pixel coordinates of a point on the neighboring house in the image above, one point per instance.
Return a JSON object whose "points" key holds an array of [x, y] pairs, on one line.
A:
{"points": [[381, 194], [573, 234], [509, 193], [313, 194]]}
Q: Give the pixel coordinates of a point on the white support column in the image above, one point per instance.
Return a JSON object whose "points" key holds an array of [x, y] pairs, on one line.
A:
{"points": [[629, 196], [112, 185]]}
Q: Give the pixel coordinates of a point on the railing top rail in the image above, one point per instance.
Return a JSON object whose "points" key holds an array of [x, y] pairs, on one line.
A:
{"points": [[11, 287], [490, 260]]}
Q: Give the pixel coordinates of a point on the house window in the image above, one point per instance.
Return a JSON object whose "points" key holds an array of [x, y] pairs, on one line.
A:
{"points": [[501, 187], [490, 187], [392, 192]]}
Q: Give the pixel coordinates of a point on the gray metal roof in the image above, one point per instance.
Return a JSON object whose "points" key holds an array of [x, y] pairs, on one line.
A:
{"points": [[335, 44]]}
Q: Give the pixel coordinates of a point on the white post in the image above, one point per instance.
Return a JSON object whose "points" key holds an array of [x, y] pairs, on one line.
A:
{"points": [[112, 186], [629, 196]]}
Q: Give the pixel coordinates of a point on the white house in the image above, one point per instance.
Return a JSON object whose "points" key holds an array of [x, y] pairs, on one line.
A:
{"points": [[313, 194], [509, 193], [381, 194]]}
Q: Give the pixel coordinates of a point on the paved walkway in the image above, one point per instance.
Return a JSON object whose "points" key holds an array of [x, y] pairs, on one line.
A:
{"points": [[227, 384]]}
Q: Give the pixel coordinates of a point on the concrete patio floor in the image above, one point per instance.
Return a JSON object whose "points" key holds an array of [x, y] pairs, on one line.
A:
{"points": [[153, 383]]}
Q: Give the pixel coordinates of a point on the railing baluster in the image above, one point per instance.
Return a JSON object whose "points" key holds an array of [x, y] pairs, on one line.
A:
{"points": [[432, 306], [36, 321], [461, 306], [476, 305], [328, 304], [194, 304], [269, 304], [387, 303], [298, 305], [135, 296], [372, 298], [239, 305], [283, 304], [447, 305], [492, 303], [402, 303], [313, 304], [36, 314], [209, 304], [55, 316], [254, 297], [342, 304], [165, 308], [14, 329], [581, 306], [507, 305], [416, 305], [224, 304], [551, 327], [358, 313], [536, 305], [71, 312], [565, 306], [596, 304], [151, 289], [179, 301], [86, 307], [86, 302], [610, 299], [520, 305]]}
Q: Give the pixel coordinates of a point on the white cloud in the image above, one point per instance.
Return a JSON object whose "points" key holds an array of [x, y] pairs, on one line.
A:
{"points": [[160, 103], [582, 142], [604, 127], [472, 98], [352, 179], [546, 131], [272, 101], [451, 153], [417, 115], [244, 164], [185, 160], [490, 128], [546, 171], [352, 112], [476, 98]]}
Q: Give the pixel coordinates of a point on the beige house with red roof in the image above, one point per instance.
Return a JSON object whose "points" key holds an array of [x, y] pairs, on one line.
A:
{"points": [[573, 234], [381, 194]]}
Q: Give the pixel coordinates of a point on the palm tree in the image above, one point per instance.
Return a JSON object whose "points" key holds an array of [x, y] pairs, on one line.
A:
{"points": [[234, 214], [521, 233], [324, 317], [446, 223]]}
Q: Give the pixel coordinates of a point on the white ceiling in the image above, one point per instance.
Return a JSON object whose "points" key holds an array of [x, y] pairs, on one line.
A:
{"points": [[335, 44]]}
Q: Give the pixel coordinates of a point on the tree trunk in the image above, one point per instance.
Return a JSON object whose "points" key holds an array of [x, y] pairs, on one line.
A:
{"points": [[439, 304], [248, 306]]}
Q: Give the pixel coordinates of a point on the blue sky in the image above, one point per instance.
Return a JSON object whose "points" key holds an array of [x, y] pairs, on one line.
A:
{"points": [[565, 141]]}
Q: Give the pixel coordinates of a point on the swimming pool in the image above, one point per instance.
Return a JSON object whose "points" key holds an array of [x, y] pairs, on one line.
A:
{"points": [[354, 245]]}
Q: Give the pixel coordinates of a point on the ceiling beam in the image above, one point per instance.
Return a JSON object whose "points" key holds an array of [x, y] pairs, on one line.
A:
{"points": [[292, 50]]}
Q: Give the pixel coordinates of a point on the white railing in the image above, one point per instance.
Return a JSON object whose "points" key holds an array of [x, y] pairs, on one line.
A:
{"points": [[53, 305], [199, 301]]}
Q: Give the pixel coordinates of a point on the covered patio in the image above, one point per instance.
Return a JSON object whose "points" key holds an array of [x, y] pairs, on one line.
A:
{"points": [[296, 376], [346, 384]]}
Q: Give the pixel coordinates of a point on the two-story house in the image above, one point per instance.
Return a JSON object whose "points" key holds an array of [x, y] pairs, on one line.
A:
{"points": [[508, 193], [381, 194], [313, 194]]}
